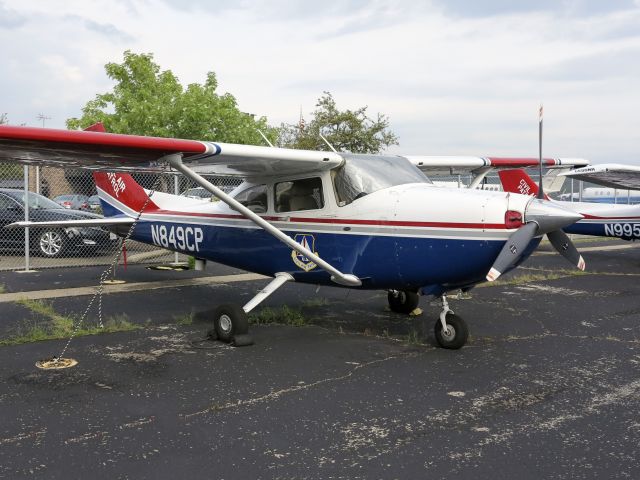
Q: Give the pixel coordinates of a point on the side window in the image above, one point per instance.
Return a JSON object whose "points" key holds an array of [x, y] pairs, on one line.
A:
{"points": [[6, 203], [254, 198], [299, 195]]}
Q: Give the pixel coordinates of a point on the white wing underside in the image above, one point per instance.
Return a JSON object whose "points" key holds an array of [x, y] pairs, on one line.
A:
{"points": [[609, 175]]}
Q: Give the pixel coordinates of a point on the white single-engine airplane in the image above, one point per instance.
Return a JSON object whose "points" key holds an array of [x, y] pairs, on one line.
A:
{"points": [[600, 219], [359, 221]]}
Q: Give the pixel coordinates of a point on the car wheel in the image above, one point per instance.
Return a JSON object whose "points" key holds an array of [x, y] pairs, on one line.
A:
{"points": [[51, 243]]}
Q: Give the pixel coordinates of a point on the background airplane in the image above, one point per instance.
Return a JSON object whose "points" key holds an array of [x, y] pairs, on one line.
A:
{"points": [[604, 220], [359, 221], [611, 175]]}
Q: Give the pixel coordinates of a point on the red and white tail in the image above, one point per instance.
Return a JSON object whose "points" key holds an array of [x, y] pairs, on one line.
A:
{"points": [[121, 192], [517, 181]]}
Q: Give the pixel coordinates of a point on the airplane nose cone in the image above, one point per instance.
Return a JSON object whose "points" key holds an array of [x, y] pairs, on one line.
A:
{"points": [[549, 217]]}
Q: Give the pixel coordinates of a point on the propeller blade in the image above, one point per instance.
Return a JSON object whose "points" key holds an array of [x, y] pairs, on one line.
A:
{"points": [[512, 250], [565, 247]]}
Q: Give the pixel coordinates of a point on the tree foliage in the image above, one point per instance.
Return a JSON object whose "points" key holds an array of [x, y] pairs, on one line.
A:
{"points": [[147, 101], [3, 118], [348, 130]]}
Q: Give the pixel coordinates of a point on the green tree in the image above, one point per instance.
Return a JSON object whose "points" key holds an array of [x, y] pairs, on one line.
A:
{"points": [[348, 130], [147, 101]]}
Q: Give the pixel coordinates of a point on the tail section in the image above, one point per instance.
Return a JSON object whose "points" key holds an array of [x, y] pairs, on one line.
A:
{"points": [[517, 181], [121, 194]]}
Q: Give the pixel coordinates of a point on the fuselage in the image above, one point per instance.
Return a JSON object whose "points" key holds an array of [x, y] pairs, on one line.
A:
{"points": [[410, 236], [605, 220]]}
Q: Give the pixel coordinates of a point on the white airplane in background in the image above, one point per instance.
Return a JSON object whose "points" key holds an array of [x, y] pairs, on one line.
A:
{"points": [[600, 219], [611, 175], [326, 218]]}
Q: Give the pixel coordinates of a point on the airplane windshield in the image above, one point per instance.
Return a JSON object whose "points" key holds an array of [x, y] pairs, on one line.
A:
{"points": [[364, 174]]}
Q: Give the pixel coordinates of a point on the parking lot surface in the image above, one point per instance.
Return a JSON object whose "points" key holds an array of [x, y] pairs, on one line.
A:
{"points": [[547, 387]]}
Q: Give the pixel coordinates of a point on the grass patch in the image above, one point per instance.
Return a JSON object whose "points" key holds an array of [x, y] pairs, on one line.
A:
{"points": [[56, 326], [3, 289], [534, 277], [284, 315], [315, 302], [184, 319]]}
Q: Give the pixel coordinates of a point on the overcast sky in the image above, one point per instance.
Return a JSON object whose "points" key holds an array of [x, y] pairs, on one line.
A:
{"points": [[453, 76]]}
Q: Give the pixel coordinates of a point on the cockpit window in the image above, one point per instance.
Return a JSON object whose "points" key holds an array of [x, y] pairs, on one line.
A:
{"points": [[254, 198], [296, 195], [362, 175]]}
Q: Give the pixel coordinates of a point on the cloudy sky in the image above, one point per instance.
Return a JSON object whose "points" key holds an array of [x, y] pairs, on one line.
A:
{"points": [[454, 76]]}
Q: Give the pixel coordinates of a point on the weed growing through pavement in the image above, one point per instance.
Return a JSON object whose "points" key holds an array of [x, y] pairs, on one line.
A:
{"points": [[184, 319], [3, 289], [315, 302], [56, 326], [284, 315]]}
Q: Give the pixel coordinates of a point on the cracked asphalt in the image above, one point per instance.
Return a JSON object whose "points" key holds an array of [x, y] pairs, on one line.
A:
{"points": [[547, 387]]}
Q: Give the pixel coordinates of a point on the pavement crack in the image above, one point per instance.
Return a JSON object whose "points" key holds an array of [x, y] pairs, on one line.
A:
{"points": [[292, 389]]}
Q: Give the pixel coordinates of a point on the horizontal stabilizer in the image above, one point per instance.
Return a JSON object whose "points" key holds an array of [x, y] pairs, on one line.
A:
{"points": [[87, 223]]}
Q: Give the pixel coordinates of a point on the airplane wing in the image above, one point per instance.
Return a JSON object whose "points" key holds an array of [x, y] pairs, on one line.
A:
{"points": [[109, 151], [453, 165], [609, 175]]}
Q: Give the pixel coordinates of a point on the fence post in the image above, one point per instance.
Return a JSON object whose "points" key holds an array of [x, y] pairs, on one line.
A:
{"points": [[26, 219]]}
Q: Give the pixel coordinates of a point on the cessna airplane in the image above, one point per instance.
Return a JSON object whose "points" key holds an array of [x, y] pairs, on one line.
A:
{"points": [[603, 220], [358, 221], [609, 175]]}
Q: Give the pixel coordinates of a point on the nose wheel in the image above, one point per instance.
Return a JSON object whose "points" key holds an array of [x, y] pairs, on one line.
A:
{"points": [[450, 329]]}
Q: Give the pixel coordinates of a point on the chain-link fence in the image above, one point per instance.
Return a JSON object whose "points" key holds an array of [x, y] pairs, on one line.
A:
{"points": [[67, 194]]}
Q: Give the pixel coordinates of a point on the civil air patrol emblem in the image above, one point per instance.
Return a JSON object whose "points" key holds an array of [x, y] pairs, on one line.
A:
{"points": [[308, 241]]}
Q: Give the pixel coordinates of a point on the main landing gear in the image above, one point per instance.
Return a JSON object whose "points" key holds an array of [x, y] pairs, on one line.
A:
{"points": [[230, 322], [451, 331]]}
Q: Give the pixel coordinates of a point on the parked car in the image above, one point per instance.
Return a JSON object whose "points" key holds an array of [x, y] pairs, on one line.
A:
{"points": [[48, 241], [94, 204], [73, 201]]}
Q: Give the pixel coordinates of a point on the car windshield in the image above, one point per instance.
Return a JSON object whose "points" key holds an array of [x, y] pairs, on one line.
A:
{"points": [[364, 174], [35, 200]]}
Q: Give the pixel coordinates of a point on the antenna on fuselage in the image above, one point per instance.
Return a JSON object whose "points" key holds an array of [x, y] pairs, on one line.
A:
{"points": [[327, 142], [540, 190], [265, 138]]}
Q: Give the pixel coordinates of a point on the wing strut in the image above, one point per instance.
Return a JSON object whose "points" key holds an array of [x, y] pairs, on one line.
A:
{"points": [[349, 280]]}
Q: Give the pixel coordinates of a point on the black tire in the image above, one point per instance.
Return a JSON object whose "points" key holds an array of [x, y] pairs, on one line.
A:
{"points": [[403, 301], [50, 243], [459, 332], [229, 321]]}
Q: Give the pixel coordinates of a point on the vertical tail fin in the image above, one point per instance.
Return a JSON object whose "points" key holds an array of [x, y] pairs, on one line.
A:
{"points": [[517, 181], [120, 193]]}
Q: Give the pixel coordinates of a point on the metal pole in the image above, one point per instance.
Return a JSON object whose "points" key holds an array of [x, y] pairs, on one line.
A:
{"points": [[176, 190], [572, 190], [580, 185], [37, 179], [26, 219], [615, 196]]}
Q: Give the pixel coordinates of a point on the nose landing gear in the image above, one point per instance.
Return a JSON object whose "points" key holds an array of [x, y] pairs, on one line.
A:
{"points": [[451, 330]]}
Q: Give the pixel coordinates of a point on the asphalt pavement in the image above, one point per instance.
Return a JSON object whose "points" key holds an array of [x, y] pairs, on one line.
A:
{"points": [[547, 387]]}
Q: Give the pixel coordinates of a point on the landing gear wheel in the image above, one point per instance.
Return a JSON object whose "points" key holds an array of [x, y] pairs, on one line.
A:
{"points": [[457, 333], [50, 243], [229, 321], [403, 301]]}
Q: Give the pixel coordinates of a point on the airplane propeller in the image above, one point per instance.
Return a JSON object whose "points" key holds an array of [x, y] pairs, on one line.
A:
{"points": [[541, 217]]}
